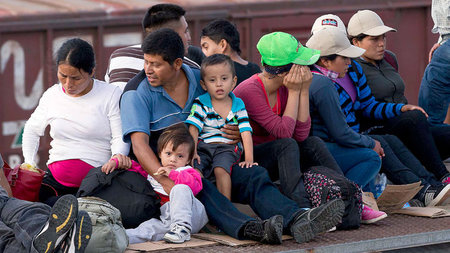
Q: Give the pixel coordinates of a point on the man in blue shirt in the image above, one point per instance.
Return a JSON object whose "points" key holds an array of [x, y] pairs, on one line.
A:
{"points": [[160, 96]]}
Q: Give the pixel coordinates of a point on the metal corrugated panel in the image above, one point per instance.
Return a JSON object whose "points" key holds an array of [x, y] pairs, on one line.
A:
{"points": [[15, 8]]}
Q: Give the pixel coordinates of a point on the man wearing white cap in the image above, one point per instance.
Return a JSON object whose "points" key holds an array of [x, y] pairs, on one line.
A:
{"points": [[367, 31], [434, 94], [326, 21], [338, 95]]}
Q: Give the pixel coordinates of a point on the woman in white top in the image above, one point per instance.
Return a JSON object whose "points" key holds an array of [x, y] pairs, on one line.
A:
{"points": [[83, 114]]}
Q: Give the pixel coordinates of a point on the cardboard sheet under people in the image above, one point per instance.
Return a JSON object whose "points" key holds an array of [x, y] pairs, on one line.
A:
{"points": [[395, 198]]}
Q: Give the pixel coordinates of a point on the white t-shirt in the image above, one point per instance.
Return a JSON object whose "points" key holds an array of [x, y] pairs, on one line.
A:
{"points": [[87, 127]]}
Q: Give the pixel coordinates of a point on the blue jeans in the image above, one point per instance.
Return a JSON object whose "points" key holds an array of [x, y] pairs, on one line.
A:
{"points": [[360, 165], [249, 186], [400, 165], [434, 93], [20, 221]]}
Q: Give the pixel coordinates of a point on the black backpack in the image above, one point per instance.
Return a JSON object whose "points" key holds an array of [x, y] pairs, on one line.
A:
{"points": [[127, 191], [323, 184]]}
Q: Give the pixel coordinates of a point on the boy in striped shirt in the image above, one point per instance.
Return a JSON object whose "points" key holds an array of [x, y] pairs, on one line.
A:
{"points": [[216, 154]]}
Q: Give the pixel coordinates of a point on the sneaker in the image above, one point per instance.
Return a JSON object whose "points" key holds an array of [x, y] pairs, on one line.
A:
{"points": [[177, 234], [332, 229], [306, 225], [81, 233], [416, 203], [269, 231], [435, 195], [79, 236], [371, 216], [61, 219]]}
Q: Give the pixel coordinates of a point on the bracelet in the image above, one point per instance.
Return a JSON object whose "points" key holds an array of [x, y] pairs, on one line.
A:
{"points": [[117, 162]]}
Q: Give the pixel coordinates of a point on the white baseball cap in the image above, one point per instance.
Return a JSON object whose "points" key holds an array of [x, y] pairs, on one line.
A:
{"points": [[367, 22], [328, 20], [333, 41]]}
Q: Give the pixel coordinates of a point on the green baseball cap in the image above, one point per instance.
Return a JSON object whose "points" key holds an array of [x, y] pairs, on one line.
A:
{"points": [[279, 48]]}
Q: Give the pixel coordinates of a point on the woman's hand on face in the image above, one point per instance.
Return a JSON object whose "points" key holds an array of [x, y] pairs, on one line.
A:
{"points": [[306, 76], [293, 80], [124, 162]]}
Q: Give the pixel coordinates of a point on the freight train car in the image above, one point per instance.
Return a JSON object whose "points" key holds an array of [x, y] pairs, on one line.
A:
{"points": [[31, 31]]}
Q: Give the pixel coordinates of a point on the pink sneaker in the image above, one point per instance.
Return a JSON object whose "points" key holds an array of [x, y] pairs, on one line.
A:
{"points": [[371, 216]]}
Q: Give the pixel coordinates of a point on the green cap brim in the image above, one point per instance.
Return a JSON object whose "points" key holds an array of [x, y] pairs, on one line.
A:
{"points": [[307, 56]]}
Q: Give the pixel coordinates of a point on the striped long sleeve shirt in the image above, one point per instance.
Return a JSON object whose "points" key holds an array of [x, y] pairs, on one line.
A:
{"points": [[208, 121], [342, 126]]}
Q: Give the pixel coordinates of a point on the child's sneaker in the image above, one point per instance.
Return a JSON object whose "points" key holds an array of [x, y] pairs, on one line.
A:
{"points": [[61, 219], [371, 216], [435, 195], [177, 234]]}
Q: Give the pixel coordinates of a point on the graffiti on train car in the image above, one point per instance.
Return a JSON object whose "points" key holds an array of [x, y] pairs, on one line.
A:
{"points": [[26, 94]]}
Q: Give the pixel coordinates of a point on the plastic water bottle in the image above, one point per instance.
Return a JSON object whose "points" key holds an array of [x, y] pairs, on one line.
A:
{"points": [[380, 184]]}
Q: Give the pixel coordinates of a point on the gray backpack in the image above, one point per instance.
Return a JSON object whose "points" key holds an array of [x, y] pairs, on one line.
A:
{"points": [[108, 233]]}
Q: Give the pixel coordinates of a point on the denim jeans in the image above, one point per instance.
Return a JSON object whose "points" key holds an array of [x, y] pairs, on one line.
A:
{"points": [[425, 142], [20, 221], [434, 93], [400, 165], [249, 186], [281, 158], [360, 165]]}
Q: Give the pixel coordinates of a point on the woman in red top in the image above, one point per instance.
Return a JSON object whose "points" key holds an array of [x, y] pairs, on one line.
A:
{"points": [[277, 102]]}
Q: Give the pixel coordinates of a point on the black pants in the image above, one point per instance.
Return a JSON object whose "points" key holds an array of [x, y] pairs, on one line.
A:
{"points": [[400, 165], [429, 144], [52, 190], [285, 160]]}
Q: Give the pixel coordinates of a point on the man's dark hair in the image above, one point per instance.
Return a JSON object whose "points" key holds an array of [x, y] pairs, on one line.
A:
{"points": [[160, 14], [77, 53], [164, 42], [177, 135], [217, 59], [223, 29]]}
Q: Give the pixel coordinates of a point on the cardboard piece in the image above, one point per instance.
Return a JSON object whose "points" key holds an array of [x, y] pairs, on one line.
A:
{"points": [[162, 245], [394, 197], [223, 239], [431, 212], [228, 240], [369, 200]]}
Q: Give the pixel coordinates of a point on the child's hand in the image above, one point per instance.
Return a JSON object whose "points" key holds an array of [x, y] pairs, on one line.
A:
{"points": [[123, 161], [247, 164], [109, 167], [164, 171], [196, 157]]}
